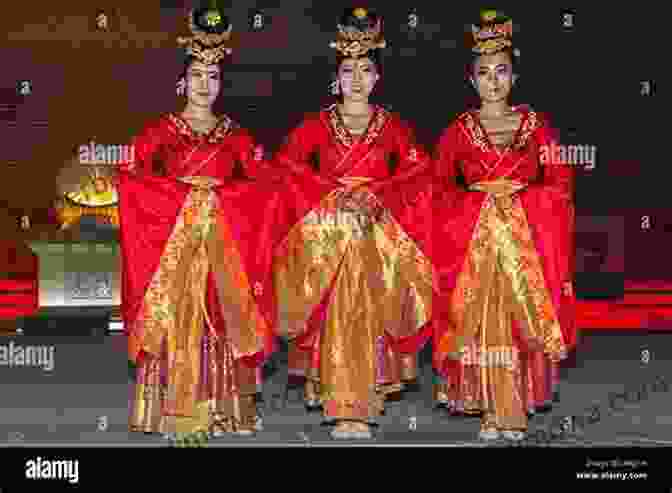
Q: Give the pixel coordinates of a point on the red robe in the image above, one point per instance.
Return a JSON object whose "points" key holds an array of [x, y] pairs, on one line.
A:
{"points": [[318, 153], [150, 205], [465, 149]]}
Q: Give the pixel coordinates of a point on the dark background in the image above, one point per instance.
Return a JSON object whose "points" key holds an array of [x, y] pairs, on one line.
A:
{"points": [[104, 86]]}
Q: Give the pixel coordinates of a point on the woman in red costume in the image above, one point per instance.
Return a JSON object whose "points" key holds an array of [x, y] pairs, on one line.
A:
{"points": [[353, 281], [506, 311], [196, 242]]}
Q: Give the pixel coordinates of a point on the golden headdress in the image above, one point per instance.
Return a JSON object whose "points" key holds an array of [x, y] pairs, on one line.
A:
{"points": [[211, 35], [353, 42], [493, 34]]}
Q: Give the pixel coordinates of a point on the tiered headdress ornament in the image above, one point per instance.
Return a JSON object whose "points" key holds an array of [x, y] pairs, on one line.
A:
{"points": [[211, 35], [493, 34], [354, 43]]}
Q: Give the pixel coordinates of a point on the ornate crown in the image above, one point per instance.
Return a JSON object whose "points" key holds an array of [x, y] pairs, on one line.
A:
{"points": [[493, 34], [209, 43], [354, 43]]}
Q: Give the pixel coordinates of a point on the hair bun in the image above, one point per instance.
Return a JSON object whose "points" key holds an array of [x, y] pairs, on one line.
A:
{"points": [[210, 20], [490, 17], [358, 18]]}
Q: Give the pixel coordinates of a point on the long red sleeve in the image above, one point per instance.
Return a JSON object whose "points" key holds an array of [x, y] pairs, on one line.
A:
{"points": [[558, 178], [252, 158], [295, 154], [552, 200], [445, 156], [413, 159], [558, 175], [144, 146]]}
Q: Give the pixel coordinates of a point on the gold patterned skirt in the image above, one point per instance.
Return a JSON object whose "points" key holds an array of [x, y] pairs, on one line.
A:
{"points": [[219, 408], [192, 378], [350, 283], [304, 363], [504, 331]]}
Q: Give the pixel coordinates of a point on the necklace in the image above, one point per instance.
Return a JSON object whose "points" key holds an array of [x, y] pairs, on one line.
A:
{"points": [[357, 128], [506, 113], [201, 126]]}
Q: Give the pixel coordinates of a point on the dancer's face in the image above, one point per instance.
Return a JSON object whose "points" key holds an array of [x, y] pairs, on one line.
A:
{"points": [[357, 78], [493, 77], [203, 84]]}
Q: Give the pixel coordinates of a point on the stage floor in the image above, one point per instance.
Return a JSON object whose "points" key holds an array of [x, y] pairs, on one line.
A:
{"points": [[83, 399]]}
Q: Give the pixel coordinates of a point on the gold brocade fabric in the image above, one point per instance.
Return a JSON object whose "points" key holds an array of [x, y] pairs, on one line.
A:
{"points": [[375, 281], [223, 412], [501, 284], [300, 365], [202, 383]]}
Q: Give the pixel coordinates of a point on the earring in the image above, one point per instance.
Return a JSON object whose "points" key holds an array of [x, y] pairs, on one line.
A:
{"points": [[335, 87], [181, 87]]}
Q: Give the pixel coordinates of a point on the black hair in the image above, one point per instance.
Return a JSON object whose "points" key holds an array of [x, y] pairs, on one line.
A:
{"points": [[374, 55], [188, 60], [203, 19], [349, 19]]}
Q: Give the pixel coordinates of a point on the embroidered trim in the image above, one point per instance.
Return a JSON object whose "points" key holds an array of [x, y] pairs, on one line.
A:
{"points": [[531, 124], [378, 120], [474, 131], [223, 128], [478, 137]]}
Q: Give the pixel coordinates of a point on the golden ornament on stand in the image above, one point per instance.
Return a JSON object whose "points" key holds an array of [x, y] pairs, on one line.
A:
{"points": [[97, 197]]}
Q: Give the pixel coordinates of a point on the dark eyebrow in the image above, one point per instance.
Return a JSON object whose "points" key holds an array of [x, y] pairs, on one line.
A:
{"points": [[482, 67]]}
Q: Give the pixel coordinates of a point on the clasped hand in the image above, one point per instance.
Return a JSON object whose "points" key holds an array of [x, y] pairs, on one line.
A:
{"points": [[354, 195], [498, 188], [200, 182]]}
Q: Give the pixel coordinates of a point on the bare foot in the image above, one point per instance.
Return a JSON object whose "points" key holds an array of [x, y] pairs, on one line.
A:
{"points": [[361, 430], [342, 430], [345, 426]]}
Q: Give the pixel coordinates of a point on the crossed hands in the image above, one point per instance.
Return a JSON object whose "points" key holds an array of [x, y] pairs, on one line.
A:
{"points": [[498, 188], [354, 196], [200, 182]]}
